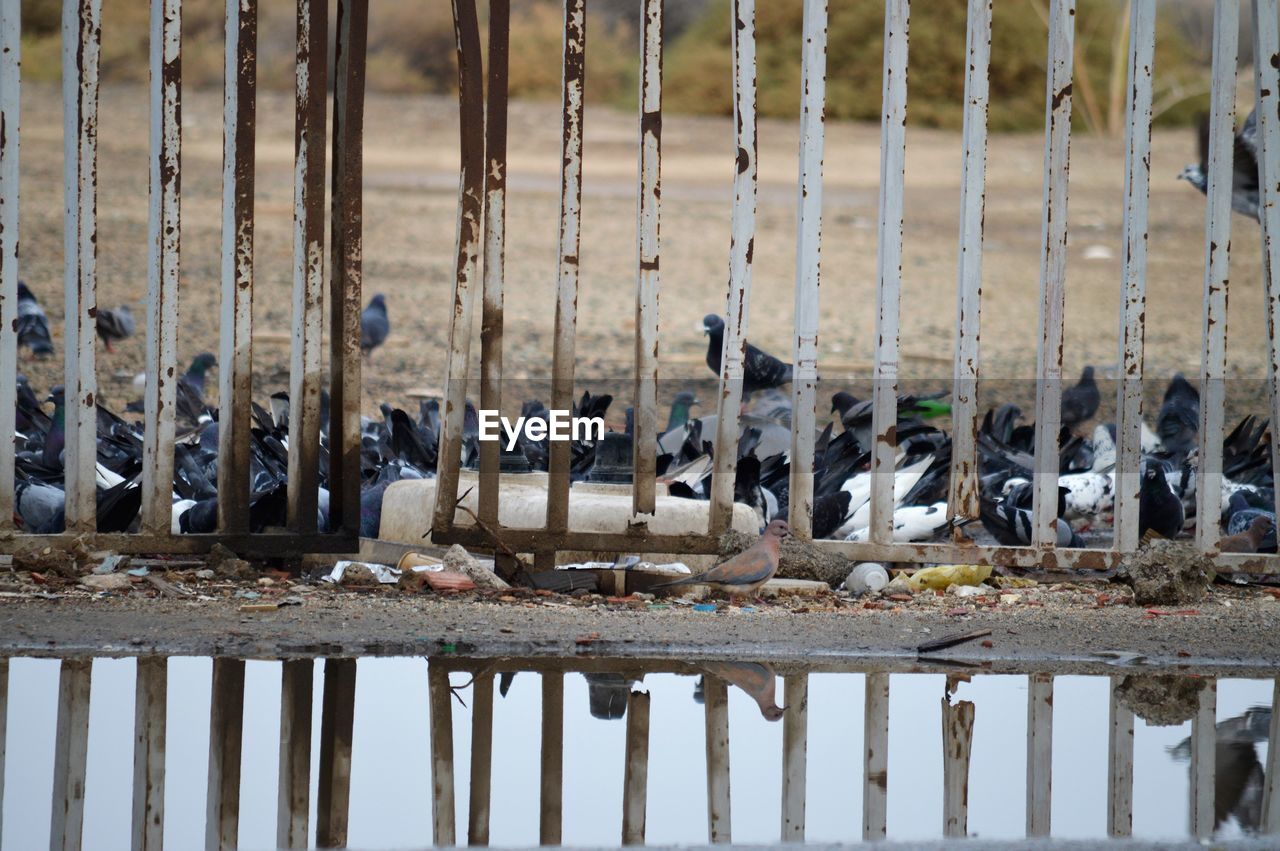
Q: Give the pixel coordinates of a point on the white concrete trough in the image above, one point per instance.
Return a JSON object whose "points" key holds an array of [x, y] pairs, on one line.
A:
{"points": [[407, 507]]}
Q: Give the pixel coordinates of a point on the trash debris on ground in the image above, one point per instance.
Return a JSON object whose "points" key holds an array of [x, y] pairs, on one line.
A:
{"points": [[867, 577], [138, 571], [457, 559], [107, 582], [938, 578], [260, 607], [951, 640], [349, 573], [1167, 573], [205, 573], [448, 580], [112, 563], [227, 565]]}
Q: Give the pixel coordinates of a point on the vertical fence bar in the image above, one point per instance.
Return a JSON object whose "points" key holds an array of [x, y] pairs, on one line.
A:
{"points": [[150, 706], [957, 746], [293, 799], [741, 251], [346, 269], [875, 758], [1053, 267], [481, 777], [1270, 822], [635, 783], [1137, 180], [563, 348], [337, 723], [1119, 767], [795, 746], [4, 729], [1039, 753], [226, 730], [804, 385], [1266, 65], [308, 265], [495, 234], [235, 374], [552, 783], [10, 96], [164, 239], [466, 30], [1204, 742], [442, 788], [1217, 259], [715, 700], [70, 755], [893, 161], [963, 497], [81, 47]]}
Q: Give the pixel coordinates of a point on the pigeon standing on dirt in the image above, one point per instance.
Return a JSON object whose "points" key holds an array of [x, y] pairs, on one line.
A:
{"points": [[761, 370], [743, 574], [1159, 509], [115, 325], [33, 325], [1080, 403], [1244, 167], [374, 325]]}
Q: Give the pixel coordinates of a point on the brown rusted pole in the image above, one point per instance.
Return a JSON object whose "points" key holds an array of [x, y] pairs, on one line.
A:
{"points": [[957, 745], [481, 759], [150, 704], [226, 729], [443, 830], [70, 754], [635, 783], [293, 801], [337, 721]]}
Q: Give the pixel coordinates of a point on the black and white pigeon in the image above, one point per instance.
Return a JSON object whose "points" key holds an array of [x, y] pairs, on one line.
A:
{"points": [[1159, 508], [115, 324], [1244, 167], [1080, 402], [374, 325], [33, 325], [761, 370], [1178, 423]]}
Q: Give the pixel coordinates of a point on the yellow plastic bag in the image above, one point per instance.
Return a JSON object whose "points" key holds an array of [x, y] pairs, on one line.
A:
{"points": [[944, 575]]}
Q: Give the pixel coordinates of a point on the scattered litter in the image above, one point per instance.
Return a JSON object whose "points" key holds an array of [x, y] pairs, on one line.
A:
{"points": [[973, 590], [259, 607], [138, 571], [247, 595], [458, 560], [167, 588], [448, 580], [204, 573], [704, 607], [1151, 613], [361, 573], [938, 578], [107, 582], [951, 640], [112, 563], [868, 576], [630, 563]]}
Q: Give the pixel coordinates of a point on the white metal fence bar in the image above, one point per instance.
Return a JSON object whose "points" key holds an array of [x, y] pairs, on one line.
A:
{"points": [[715, 701], [795, 747], [10, 95], [70, 754], [804, 385], [1266, 65], [635, 780], [1039, 753], [150, 704], [164, 241], [1119, 766], [1053, 267], [875, 757], [649, 195], [1204, 743], [1137, 180], [893, 163], [442, 786], [957, 747]]}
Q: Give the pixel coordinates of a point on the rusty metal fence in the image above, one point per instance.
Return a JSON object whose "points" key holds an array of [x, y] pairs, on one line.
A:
{"points": [[481, 234]]}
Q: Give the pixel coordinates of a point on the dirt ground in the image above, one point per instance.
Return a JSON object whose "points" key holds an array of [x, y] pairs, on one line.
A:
{"points": [[410, 206]]}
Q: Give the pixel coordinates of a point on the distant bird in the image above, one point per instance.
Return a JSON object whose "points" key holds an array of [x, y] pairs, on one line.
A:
{"points": [[1178, 423], [1244, 167], [374, 325], [761, 370], [1159, 508], [1080, 403], [33, 325], [680, 406], [190, 403], [755, 678], [743, 574], [115, 324], [1250, 540]]}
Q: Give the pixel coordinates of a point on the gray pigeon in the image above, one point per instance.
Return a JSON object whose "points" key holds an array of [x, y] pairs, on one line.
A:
{"points": [[33, 325], [115, 324], [374, 325]]}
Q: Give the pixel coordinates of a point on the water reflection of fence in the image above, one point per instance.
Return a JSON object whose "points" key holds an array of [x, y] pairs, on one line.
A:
{"points": [[337, 723]]}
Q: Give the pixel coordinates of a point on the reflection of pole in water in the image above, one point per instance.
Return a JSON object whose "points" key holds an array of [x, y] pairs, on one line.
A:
{"points": [[293, 800], [71, 750], [481, 758], [150, 704], [1039, 753], [552, 785], [442, 789], [337, 720], [635, 784], [1203, 747], [1119, 766], [4, 717], [1239, 783], [716, 706], [226, 726], [957, 745], [1271, 787], [875, 761], [795, 743]]}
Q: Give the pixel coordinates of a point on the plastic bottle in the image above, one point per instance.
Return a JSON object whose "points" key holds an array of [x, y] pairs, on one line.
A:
{"points": [[868, 576]]}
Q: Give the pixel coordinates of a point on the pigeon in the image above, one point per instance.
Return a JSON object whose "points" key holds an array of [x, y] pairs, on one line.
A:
{"points": [[680, 406], [745, 572], [912, 523], [190, 390], [115, 324], [1250, 540], [1178, 423], [761, 370], [1009, 517], [1159, 508], [1244, 167], [1080, 403], [33, 325], [374, 325]]}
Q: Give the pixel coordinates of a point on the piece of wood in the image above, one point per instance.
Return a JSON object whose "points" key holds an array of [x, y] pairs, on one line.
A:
{"points": [[951, 640]]}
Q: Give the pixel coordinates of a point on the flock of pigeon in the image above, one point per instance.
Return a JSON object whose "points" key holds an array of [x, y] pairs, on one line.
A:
{"points": [[400, 445]]}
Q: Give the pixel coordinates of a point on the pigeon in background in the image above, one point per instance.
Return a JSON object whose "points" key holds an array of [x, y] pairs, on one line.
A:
{"points": [[761, 370], [1250, 540], [743, 574], [1080, 403], [1244, 167], [33, 325], [115, 325], [680, 406], [1159, 509], [374, 325], [1178, 423]]}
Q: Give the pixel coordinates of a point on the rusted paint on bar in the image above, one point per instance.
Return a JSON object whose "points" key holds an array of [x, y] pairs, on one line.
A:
{"points": [[741, 249], [164, 263], [346, 267], [470, 210], [963, 495], [480, 785], [795, 746], [1217, 258], [150, 705], [1133, 297], [649, 202], [293, 799], [715, 701], [804, 385], [893, 160], [551, 801], [957, 746], [10, 96], [1270, 822], [563, 345], [495, 234], [1204, 743], [1039, 753], [442, 787], [308, 265], [235, 361], [1119, 766], [70, 754], [875, 757], [337, 723], [226, 730], [1053, 268], [635, 781], [81, 48]]}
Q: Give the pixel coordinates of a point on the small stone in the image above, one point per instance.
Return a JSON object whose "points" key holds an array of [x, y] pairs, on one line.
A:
{"points": [[205, 573], [266, 582], [107, 581]]}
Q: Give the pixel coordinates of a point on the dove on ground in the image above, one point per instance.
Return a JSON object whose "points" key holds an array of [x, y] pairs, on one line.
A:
{"points": [[115, 324], [33, 325], [374, 325], [743, 574]]}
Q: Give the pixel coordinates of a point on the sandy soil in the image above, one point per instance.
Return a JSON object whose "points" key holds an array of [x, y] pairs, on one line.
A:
{"points": [[410, 205]]}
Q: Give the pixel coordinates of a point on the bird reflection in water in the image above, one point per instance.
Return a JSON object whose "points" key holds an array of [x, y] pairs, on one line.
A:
{"points": [[1239, 780]]}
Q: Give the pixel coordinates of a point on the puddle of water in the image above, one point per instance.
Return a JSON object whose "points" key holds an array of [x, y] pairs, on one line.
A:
{"points": [[623, 747]]}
